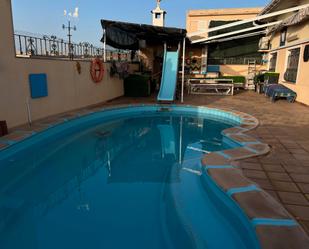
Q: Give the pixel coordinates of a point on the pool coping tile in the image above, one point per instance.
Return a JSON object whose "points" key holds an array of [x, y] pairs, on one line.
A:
{"points": [[255, 204], [297, 237], [259, 204], [229, 178]]}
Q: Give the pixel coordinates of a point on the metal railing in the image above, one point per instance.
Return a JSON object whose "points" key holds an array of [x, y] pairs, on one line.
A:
{"points": [[234, 61], [54, 47]]}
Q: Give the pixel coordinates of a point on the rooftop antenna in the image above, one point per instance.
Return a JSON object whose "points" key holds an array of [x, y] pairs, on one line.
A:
{"points": [[70, 28]]}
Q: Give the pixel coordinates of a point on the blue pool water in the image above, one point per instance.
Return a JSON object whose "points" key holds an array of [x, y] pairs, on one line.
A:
{"points": [[123, 181]]}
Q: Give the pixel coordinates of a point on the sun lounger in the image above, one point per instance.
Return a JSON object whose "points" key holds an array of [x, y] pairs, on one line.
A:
{"points": [[211, 86]]}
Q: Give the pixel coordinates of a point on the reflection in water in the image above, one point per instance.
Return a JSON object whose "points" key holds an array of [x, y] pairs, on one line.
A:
{"points": [[83, 190], [168, 140]]}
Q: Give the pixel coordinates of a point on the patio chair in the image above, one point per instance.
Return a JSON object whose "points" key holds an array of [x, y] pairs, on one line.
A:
{"points": [[262, 80]]}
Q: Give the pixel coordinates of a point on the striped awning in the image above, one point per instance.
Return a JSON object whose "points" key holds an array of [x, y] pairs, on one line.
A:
{"points": [[301, 16]]}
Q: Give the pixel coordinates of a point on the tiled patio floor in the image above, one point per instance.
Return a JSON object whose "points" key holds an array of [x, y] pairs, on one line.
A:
{"points": [[284, 172]]}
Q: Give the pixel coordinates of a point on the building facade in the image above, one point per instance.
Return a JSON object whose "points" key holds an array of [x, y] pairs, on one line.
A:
{"points": [[233, 56], [289, 46], [198, 20]]}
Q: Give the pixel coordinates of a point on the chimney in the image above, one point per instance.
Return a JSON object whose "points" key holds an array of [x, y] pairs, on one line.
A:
{"points": [[158, 16]]}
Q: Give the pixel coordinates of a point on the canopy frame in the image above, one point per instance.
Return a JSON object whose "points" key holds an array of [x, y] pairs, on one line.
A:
{"points": [[257, 18], [235, 32]]}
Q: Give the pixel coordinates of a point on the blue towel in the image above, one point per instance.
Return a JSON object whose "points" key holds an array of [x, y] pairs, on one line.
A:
{"points": [[275, 91]]}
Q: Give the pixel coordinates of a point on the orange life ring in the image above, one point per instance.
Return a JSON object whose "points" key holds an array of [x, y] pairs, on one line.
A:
{"points": [[97, 70]]}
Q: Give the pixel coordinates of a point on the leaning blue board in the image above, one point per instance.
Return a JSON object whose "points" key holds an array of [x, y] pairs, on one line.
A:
{"points": [[38, 85], [169, 77]]}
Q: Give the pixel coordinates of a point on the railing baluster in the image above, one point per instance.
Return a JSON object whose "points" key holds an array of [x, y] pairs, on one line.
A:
{"points": [[41, 50], [58, 51], [61, 47], [74, 50], [49, 48], [45, 46], [26, 49], [36, 46], [20, 46]]}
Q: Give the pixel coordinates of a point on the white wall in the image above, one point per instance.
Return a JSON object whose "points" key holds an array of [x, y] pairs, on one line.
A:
{"points": [[67, 89], [301, 86]]}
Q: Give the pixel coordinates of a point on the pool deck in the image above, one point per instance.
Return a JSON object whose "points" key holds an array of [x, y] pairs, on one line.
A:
{"points": [[283, 173]]}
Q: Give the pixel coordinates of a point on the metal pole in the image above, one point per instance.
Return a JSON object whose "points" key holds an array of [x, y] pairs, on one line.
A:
{"points": [[29, 112], [183, 68], [180, 140], [104, 47], [204, 59], [109, 164], [70, 46]]}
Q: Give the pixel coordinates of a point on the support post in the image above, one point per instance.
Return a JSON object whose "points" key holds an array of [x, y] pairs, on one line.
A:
{"points": [[183, 68], [29, 112], [180, 140], [70, 41], [104, 47], [204, 59]]}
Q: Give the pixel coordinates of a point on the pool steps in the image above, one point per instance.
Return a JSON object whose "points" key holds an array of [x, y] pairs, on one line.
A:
{"points": [[233, 191], [189, 202], [219, 167], [273, 222], [280, 222], [221, 153]]}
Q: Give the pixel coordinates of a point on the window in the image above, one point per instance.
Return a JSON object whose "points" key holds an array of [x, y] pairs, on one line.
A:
{"points": [[292, 65], [283, 37], [158, 15], [306, 53], [273, 62]]}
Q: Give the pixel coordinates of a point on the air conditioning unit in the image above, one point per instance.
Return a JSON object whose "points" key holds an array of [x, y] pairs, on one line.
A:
{"points": [[264, 43]]}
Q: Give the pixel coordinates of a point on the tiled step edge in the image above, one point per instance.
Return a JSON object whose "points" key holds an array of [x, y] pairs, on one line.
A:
{"points": [[275, 227]]}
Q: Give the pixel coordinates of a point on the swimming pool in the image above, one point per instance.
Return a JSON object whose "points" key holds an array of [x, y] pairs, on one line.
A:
{"points": [[127, 177]]}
